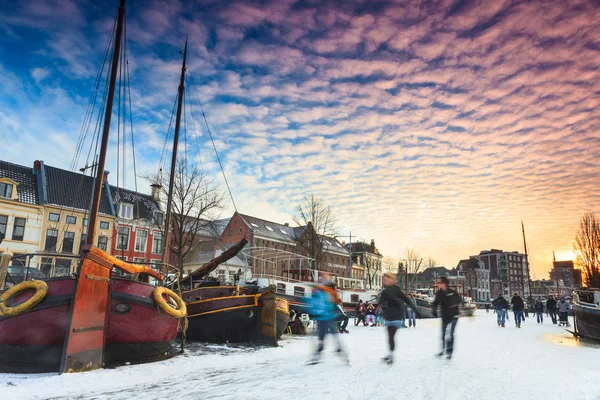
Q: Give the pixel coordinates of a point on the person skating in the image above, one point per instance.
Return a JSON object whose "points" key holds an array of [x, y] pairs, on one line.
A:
{"points": [[517, 305], [563, 307], [501, 307], [449, 301], [323, 308], [371, 315], [393, 300], [359, 311], [342, 317], [539, 311], [412, 316], [551, 307]]}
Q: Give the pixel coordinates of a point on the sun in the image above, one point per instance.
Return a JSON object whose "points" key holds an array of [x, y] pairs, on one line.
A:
{"points": [[564, 255]]}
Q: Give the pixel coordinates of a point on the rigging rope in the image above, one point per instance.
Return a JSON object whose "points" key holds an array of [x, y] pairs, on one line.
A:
{"points": [[213, 144]]}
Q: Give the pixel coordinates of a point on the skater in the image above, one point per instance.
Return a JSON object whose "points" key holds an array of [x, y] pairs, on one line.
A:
{"points": [[551, 307], [342, 317], [487, 308], [517, 305], [500, 307], [379, 315], [539, 311], [412, 320], [371, 315], [359, 311], [563, 307], [393, 299], [449, 300], [323, 308]]}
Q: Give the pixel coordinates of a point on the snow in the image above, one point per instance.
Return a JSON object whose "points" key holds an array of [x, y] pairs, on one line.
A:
{"points": [[534, 362]]}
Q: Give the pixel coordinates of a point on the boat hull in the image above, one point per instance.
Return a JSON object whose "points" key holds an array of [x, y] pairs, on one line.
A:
{"points": [[233, 325], [588, 321], [33, 341]]}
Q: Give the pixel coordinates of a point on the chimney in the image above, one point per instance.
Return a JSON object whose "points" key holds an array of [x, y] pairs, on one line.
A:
{"points": [[286, 224], [36, 165], [156, 191], [373, 245], [105, 176]]}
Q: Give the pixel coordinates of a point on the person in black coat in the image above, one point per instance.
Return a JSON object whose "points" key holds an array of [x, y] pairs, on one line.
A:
{"points": [[518, 305], [551, 308], [449, 302], [393, 299], [539, 311]]}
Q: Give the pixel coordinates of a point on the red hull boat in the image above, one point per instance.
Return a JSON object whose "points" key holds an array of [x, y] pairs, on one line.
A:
{"points": [[136, 328]]}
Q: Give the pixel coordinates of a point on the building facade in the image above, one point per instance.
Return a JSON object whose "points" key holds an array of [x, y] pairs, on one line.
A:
{"points": [[475, 275], [507, 267], [368, 257], [21, 214], [565, 273]]}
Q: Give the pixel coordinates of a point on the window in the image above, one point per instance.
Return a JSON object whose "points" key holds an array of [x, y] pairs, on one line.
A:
{"points": [[269, 228], [123, 238], [3, 223], [19, 229], [51, 238], [122, 258], [82, 242], [253, 224], [104, 225], [46, 266], [230, 231], [6, 190], [68, 242], [241, 230], [280, 288], [103, 243], [299, 291], [139, 260], [159, 218], [141, 237], [85, 222], [126, 210], [282, 231], [62, 267], [71, 219], [54, 217], [157, 243]]}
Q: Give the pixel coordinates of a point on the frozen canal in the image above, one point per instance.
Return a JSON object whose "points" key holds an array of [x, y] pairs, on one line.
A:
{"points": [[535, 362]]}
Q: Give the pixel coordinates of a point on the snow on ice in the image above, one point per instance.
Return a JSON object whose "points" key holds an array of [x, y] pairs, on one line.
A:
{"points": [[535, 362]]}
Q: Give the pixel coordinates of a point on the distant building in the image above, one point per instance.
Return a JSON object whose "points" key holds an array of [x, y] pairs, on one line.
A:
{"points": [[367, 258], [566, 273], [509, 267], [476, 278]]}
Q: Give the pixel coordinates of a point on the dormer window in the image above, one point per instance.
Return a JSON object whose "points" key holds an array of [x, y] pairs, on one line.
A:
{"points": [[6, 190], [125, 211]]}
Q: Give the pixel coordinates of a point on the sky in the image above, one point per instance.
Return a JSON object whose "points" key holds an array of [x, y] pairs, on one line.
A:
{"points": [[434, 125]]}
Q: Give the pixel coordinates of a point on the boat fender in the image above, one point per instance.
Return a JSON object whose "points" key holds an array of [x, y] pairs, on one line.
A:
{"points": [[179, 311], [41, 289]]}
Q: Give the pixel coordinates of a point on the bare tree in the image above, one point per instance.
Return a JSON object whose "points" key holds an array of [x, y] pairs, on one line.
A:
{"points": [[370, 270], [413, 265], [320, 222], [390, 265], [196, 204], [587, 248], [431, 263], [470, 272]]}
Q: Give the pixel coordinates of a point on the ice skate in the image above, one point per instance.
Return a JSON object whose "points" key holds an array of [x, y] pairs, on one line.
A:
{"points": [[389, 359]]}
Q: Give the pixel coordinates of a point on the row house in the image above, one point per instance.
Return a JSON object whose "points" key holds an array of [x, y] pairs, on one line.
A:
{"points": [[21, 214], [273, 249], [369, 263], [138, 230], [476, 282]]}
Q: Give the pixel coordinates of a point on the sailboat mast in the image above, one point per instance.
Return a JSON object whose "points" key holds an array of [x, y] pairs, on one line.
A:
{"points": [[174, 159], [106, 129], [526, 258]]}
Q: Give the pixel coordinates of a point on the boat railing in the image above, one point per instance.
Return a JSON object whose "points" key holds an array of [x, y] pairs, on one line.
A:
{"points": [[279, 278]]}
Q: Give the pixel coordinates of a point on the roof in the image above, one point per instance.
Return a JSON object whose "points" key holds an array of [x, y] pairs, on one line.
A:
{"points": [[73, 190], [434, 272], [564, 264], [331, 244], [27, 191], [271, 230], [363, 247], [143, 204], [206, 250]]}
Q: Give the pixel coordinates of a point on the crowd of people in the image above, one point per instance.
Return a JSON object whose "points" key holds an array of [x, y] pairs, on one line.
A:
{"points": [[550, 307], [393, 308]]}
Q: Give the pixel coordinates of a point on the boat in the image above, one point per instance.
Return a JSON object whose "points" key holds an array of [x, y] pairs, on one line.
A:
{"points": [[586, 306], [282, 310], [106, 314], [467, 308]]}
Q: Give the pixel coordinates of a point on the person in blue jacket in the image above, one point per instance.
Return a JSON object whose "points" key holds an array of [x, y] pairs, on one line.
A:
{"points": [[323, 309]]}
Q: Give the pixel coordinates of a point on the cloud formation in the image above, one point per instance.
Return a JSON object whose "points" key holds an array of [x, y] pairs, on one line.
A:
{"points": [[438, 125]]}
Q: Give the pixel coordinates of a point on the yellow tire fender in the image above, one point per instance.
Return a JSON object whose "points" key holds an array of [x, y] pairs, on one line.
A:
{"points": [[41, 290], [179, 312]]}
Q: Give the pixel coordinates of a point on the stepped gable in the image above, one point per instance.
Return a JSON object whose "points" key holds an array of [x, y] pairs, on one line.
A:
{"points": [[24, 176]]}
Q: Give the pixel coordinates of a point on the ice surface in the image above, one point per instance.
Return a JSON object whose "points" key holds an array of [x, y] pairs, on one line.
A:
{"points": [[535, 362]]}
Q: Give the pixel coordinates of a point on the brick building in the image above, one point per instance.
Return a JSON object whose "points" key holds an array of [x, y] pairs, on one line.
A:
{"points": [[369, 262], [566, 273], [509, 268]]}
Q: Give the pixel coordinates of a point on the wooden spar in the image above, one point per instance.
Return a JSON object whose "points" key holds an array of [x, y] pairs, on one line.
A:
{"points": [[167, 238], [106, 129], [83, 349], [527, 258], [214, 263]]}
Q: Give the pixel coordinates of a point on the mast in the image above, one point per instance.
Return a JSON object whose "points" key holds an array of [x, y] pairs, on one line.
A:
{"points": [[99, 180], [174, 158], [526, 258]]}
